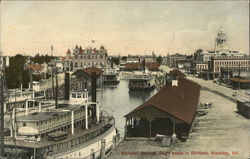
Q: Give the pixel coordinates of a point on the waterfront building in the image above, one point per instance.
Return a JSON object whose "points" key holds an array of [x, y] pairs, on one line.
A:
{"points": [[199, 66], [152, 66], [230, 63], [67, 62], [132, 67], [172, 60], [148, 58], [133, 59], [83, 58], [38, 68], [220, 49], [174, 106]]}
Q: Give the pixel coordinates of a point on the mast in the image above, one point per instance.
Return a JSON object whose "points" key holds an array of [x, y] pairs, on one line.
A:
{"points": [[52, 74], [239, 77], [56, 99]]}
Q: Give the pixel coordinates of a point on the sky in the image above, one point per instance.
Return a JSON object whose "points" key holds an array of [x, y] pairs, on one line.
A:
{"points": [[123, 27]]}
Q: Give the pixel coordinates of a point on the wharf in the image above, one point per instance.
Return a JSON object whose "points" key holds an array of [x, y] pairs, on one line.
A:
{"points": [[221, 134], [140, 148]]}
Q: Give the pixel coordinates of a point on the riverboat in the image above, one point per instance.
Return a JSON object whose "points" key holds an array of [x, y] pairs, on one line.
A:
{"points": [[73, 128], [141, 82], [110, 78]]}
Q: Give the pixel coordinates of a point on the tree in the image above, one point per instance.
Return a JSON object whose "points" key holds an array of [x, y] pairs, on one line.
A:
{"points": [[124, 58], [116, 60], [15, 73], [159, 59]]}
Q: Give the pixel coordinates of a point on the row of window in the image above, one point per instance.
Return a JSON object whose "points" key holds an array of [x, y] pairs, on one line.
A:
{"points": [[88, 57], [62, 147], [201, 67], [232, 62], [234, 68], [56, 118], [79, 95], [88, 64]]}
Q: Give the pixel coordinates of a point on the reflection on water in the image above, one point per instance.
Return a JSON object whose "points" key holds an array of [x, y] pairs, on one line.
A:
{"points": [[118, 101]]}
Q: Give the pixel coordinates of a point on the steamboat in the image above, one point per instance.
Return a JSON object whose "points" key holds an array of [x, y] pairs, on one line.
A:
{"points": [[75, 127], [141, 82]]}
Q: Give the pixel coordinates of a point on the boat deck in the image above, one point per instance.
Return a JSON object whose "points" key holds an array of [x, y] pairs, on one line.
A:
{"points": [[78, 133]]}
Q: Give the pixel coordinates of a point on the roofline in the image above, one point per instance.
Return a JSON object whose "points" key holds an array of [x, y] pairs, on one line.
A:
{"points": [[159, 110]]}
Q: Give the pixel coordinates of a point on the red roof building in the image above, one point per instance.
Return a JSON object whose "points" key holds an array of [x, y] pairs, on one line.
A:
{"points": [[152, 66], [132, 66], [176, 73], [90, 70], [173, 106], [35, 67]]}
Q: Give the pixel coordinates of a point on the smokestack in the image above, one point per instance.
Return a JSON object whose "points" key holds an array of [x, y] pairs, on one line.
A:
{"points": [[93, 93], [143, 65], [66, 86], [111, 62], [31, 80]]}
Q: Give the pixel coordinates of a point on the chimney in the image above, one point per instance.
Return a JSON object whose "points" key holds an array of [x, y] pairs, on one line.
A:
{"points": [[143, 65], [66, 86], [175, 81], [93, 93]]}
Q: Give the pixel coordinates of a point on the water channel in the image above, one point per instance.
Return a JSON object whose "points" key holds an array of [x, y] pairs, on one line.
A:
{"points": [[118, 101]]}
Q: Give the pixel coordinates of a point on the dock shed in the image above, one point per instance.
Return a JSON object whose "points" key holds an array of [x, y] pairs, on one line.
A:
{"points": [[170, 111]]}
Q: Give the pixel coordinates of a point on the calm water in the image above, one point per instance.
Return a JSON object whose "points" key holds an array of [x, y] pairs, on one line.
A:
{"points": [[118, 101]]}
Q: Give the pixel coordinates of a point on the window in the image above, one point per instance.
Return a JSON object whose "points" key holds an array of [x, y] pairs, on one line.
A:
{"points": [[79, 96], [76, 64], [73, 95], [24, 124], [76, 57]]}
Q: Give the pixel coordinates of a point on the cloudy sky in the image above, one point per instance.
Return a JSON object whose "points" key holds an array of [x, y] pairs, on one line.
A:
{"points": [[123, 27]]}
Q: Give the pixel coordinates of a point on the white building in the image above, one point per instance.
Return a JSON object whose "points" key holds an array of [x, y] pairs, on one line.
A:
{"points": [[220, 49], [88, 57]]}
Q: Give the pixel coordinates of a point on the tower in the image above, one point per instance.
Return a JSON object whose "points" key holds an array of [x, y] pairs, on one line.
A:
{"points": [[220, 40]]}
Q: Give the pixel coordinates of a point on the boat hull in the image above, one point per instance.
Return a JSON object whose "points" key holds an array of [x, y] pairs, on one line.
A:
{"points": [[91, 148], [111, 82], [141, 88]]}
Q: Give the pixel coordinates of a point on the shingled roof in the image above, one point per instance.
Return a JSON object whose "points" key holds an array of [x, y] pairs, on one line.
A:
{"points": [[178, 101], [89, 70], [132, 66], [176, 73]]}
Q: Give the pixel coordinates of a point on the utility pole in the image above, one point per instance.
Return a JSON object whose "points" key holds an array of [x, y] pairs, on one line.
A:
{"points": [[239, 77], [1, 115], [3, 63], [56, 99]]}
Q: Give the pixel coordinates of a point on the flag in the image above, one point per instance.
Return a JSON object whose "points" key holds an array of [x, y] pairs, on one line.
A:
{"points": [[93, 41], [52, 48]]}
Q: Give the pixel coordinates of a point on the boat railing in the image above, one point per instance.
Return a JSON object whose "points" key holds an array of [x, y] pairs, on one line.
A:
{"points": [[106, 125]]}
